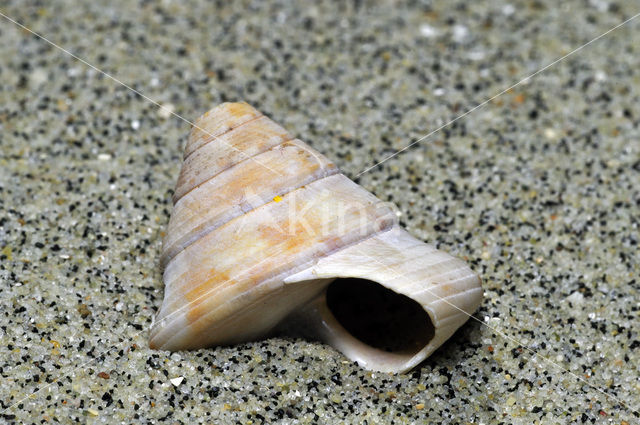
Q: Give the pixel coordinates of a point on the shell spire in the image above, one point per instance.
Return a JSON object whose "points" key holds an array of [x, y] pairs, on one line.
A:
{"points": [[267, 232]]}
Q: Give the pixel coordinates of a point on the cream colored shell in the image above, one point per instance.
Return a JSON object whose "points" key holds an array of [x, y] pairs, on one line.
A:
{"points": [[263, 224]]}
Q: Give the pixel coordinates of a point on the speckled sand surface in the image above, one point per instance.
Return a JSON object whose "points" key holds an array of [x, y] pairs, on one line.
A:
{"points": [[539, 190]]}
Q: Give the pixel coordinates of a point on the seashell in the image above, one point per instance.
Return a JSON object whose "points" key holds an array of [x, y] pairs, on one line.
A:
{"points": [[267, 235]]}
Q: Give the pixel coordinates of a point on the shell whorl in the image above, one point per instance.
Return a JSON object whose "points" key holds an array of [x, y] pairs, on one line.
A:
{"points": [[262, 223]]}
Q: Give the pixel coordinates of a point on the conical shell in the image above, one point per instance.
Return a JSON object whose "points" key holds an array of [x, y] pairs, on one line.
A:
{"points": [[263, 224]]}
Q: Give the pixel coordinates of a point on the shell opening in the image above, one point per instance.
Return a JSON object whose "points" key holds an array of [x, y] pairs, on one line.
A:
{"points": [[379, 317]]}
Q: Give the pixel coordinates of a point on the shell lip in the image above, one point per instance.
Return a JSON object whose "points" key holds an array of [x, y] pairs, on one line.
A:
{"points": [[321, 322]]}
